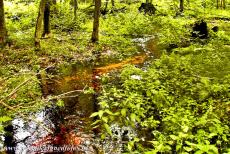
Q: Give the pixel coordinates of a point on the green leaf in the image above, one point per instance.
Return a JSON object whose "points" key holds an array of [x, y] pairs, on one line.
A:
{"points": [[60, 103], [94, 114], [117, 113], [107, 128], [174, 137], [109, 112], [103, 136], [100, 113], [105, 119], [5, 119], [185, 129], [130, 145], [89, 91], [204, 80], [178, 147], [189, 143], [123, 112], [211, 135], [199, 152], [133, 117], [188, 149], [1, 128], [203, 94], [96, 122], [151, 152]]}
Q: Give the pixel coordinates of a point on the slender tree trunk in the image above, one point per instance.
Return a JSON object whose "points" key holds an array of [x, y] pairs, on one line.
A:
{"points": [[38, 30], [217, 4], [3, 32], [75, 8], [224, 4], [113, 3], [181, 6], [95, 34], [106, 5], [46, 20]]}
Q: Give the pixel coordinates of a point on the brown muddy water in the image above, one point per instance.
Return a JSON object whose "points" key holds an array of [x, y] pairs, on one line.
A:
{"points": [[71, 124]]}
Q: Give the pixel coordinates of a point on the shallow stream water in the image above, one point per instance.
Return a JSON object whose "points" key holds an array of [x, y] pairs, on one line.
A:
{"points": [[70, 124]]}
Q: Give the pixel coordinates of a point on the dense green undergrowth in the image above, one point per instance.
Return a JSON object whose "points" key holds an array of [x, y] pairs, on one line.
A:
{"points": [[173, 105], [181, 101]]}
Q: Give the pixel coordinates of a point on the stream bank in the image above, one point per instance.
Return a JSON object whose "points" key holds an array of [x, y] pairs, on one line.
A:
{"points": [[70, 122]]}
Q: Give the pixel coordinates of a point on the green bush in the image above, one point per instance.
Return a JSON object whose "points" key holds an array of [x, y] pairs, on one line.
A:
{"points": [[183, 111]]}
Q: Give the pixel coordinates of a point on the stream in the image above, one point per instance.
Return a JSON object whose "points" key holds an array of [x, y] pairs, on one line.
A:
{"points": [[71, 124]]}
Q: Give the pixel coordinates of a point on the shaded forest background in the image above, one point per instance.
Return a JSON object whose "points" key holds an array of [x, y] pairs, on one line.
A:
{"points": [[178, 102]]}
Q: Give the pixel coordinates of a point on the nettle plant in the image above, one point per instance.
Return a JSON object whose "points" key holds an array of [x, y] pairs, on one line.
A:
{"points": [[171, 108]]}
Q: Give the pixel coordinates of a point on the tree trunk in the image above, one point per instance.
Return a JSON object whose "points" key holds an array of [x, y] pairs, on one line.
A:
{"points": [[38, 30], [95, 34], [106, 5], [3, 32], [75, 3], [224, 4], [181, 6], [217, 4], [46, 20], [113, 3]]}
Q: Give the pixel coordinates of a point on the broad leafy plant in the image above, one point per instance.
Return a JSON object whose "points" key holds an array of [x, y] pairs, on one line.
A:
{"points": [[170, 105]]}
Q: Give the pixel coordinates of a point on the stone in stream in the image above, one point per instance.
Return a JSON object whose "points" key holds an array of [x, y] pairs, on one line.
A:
{"points": [[148, 8], [9, 141], [200, 30], [215, 29]]}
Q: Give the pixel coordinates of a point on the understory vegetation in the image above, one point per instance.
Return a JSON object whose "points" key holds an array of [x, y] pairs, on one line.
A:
{"points": [[177, 103]]}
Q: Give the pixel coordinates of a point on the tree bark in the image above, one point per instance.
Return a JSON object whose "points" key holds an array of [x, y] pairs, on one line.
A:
{"points": [[3, 32], [113, 3], [224, 4], [46, 20], [38, 30], [181, 6], [95, 34], [75, 3], [106, 5]]}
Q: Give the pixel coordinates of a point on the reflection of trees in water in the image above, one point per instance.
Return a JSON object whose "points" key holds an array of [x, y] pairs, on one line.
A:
{"points": [[9, 141]]}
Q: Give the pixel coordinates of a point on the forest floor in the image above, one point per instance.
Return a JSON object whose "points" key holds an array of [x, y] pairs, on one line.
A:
{"points": [[69, 43]]}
